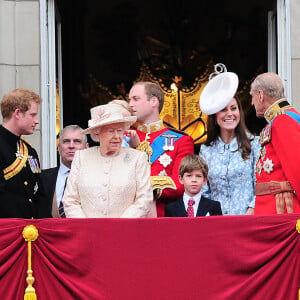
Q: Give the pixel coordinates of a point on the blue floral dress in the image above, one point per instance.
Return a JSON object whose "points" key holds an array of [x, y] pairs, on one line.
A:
{"points": [[231, 179]]}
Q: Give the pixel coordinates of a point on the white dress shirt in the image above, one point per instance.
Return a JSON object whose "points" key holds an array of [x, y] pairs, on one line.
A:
{"points": [[196, 198], [62, 175]]}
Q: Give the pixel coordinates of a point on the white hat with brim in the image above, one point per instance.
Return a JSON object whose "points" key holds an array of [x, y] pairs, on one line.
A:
{"points": [[108, 114], [218, 92]]}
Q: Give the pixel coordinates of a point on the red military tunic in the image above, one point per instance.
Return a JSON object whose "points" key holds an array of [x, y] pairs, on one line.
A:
{"points": [[166, 162], [279, 158]]}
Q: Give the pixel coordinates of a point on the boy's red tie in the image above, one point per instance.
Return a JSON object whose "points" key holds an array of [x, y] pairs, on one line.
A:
{"points": [[190, 209]]}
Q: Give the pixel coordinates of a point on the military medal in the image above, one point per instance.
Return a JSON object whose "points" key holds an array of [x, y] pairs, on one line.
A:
{"points": [[165, 159], [165, 146], [34, 165], [258, 168], [171, 147], [262, 153], [268, 165], [168, 144], [265, 135]]}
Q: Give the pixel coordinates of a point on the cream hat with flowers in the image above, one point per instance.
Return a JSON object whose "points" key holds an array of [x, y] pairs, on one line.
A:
{"points": [[108, 114]]}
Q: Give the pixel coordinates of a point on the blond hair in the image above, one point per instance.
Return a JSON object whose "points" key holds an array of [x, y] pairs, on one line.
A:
{"points": [[18, 99]]}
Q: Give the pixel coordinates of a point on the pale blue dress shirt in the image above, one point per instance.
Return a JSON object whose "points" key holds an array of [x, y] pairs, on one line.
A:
{"points": [[231, 179], [63, 173]]}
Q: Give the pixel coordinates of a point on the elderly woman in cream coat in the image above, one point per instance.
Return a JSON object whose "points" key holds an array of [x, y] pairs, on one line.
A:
{"points": [[108, 181]]}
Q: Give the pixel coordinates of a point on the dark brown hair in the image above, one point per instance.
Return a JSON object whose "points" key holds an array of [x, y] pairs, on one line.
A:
{"points": [[243, 140]]}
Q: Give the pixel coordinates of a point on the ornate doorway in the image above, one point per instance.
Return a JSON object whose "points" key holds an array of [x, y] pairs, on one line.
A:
{"points": [[106, 44]]}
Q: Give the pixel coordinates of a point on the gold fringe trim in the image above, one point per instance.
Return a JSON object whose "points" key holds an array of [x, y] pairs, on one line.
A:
{"points": [[18, 164], [298, 226], [298, 230], [30, 234]]}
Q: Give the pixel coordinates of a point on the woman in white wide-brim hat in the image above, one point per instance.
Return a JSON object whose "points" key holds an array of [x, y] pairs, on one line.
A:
{"points": [[108, 180], [230, 149]]}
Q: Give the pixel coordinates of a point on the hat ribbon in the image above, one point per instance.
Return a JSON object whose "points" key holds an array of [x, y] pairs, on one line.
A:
{"points": [[102, 117]]}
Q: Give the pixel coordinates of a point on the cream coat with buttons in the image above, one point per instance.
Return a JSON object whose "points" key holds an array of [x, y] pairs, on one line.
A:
{"points": [[108, 187]]}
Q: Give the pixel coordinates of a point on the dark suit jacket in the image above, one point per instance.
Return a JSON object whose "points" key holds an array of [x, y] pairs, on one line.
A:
{"points": [[48, 178], [177, 209]]}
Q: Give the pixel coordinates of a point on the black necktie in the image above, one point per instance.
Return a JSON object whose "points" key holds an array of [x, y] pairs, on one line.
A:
{"points": [[61, 210]]}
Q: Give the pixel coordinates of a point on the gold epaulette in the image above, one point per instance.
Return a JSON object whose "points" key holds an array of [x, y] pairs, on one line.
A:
{"points": [[19, 163], [277, 108]]}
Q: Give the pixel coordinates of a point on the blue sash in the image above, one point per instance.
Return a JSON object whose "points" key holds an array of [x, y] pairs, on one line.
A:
{"points": [[158, 143], [293, 115]]}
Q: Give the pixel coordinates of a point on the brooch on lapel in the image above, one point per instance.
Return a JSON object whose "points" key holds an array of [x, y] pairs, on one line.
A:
{"points": [[127, 158]]}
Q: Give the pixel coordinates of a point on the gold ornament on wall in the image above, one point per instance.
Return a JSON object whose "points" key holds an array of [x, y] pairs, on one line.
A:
{"points": [[181, 106]]}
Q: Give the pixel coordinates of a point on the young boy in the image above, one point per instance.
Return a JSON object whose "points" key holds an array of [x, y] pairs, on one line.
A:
{"points": [[193, 175]]}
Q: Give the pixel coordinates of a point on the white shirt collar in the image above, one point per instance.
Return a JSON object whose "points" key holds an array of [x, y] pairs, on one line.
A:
{"points": [[63, 170], [196, 198]]}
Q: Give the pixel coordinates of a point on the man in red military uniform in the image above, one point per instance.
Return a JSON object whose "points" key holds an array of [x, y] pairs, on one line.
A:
{"points": [[277, 169], [165, 146]]}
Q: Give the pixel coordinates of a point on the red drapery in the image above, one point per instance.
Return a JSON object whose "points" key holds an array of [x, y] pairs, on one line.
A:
{"points": [[241, 257]]}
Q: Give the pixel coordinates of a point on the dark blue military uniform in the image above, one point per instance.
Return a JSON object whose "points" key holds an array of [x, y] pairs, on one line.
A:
{"points": [[21, 193]]}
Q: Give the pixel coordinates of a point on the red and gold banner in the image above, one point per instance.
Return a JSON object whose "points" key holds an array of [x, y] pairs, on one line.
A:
{"points": [[241, 257]]}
